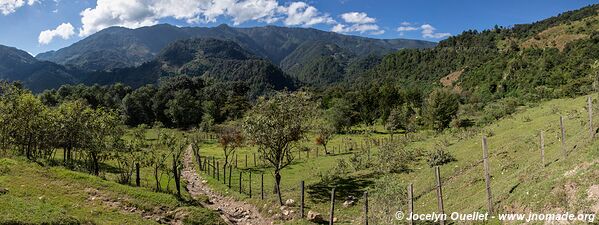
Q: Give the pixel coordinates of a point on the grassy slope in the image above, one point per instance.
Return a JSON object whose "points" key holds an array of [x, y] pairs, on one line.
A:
{"points": [[55, 195], [519, 182]]}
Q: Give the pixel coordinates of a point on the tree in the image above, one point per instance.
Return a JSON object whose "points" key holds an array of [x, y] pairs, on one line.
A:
{"points": [[325, 131], [177, 147], [28, 117], [275, 125], [339, 114], [441, 106], [157, 159], [105, 128], [137, 106], [401, 118], [230, 138], [184, 109], [73, 135]]}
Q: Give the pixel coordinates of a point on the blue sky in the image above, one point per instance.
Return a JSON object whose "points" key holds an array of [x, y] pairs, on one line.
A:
{"points": [[41, 25]]}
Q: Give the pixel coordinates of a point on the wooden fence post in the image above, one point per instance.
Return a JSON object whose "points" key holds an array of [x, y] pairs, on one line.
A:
{"points": [[236, 161], [246, 160], [137, 178], [366, 207], [208, 168], [487, 175], [240, 175], [332, 216], [302, 199], [262, 186], [410, 203], [590, 105], [217, 171], [543, 148], [250, 184], [439, 193], [563, 129], [230, 172], [213, 166], [224, 173]]}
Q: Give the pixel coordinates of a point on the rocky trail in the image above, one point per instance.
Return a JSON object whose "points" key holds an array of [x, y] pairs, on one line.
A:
{"points": [[233, 211]]}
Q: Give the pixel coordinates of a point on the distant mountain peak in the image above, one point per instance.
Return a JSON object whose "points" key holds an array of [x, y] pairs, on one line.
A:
{"points": [[132, 47]]}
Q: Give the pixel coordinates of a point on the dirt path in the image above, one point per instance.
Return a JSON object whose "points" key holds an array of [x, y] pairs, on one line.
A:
{"points": [[233, 211]]}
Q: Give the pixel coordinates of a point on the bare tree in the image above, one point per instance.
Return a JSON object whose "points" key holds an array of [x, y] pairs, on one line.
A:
{"points": [[230, 138]]}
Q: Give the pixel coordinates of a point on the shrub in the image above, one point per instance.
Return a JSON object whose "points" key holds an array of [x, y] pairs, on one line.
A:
{"points": [[393, 157], [498, 110], [388, 196], [439, 156]]}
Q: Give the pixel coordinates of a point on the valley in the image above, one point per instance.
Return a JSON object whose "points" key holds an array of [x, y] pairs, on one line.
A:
{"points": [[165, 124]]}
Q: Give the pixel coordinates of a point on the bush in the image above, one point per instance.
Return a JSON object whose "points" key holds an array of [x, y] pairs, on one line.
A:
{"points": [[388, 196], [439, 156], [498, 110], [359, 160], [393, 157]]}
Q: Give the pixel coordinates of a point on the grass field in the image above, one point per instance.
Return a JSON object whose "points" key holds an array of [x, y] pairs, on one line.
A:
{"points": [[519, 181], [54, 195]]}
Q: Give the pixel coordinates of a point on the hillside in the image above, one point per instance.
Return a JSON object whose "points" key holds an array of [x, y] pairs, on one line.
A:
{"points": [[18, 65], [208, 58], [118, 47], [551, 58], [34, 194]]}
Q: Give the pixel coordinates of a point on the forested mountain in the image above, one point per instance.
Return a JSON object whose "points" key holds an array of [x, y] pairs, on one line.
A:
{"points": [[551, 58], [118, 47], [211, 59], [36, 75]]}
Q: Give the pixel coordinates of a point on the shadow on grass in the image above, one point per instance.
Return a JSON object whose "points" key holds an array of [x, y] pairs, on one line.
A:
{"points": [[344, 187]]}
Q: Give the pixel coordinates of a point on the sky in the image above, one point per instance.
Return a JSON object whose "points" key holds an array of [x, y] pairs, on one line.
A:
{"points": [[38, 26]]}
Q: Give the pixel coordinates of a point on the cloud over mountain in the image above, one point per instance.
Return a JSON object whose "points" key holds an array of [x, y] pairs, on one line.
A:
{"points": [[357, 22], [138, 13], [64, 31]]}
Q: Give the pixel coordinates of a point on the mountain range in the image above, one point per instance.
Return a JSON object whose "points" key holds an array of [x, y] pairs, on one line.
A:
{"points": [[555, 57], [297, 51]]}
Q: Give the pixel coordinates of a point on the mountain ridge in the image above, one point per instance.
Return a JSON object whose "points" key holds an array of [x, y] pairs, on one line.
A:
{"points": [[136, 46]]}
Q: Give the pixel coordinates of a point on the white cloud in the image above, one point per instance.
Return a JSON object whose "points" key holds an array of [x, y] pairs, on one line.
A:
{"points": [[358, 22], [260, 10], [138, 13], [428, 31], [361, 28], [302, 14], [357, 17], [64, 31], [406, 28], [126, 13], [10, 6]]}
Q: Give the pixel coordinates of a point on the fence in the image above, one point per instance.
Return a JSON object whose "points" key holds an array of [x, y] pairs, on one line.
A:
{"points": [[349, 146]]}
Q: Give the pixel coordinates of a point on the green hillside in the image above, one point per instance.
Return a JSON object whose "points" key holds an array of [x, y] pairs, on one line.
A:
{"points": [[519, 181], [35, 194]]}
